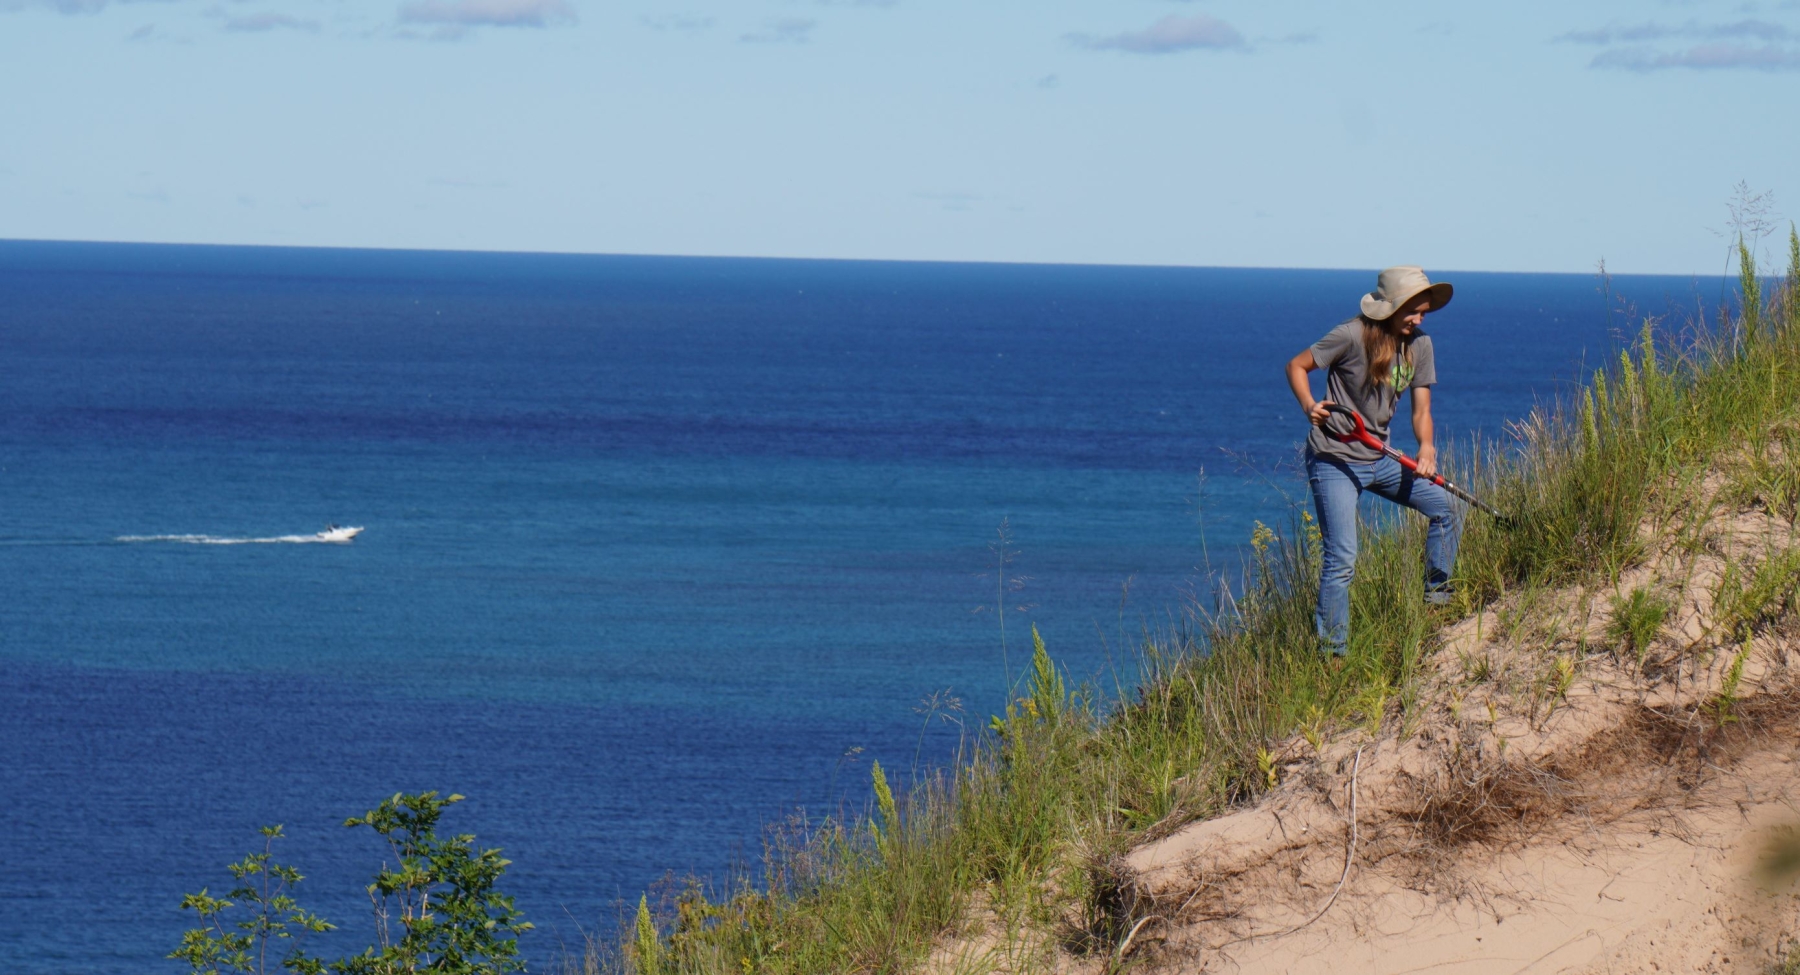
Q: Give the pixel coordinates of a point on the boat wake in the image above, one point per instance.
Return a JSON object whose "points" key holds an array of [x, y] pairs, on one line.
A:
{"points": [[331, 536]]}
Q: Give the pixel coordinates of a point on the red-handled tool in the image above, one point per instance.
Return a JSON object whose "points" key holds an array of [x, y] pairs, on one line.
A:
{"points": [[1362, 436]]}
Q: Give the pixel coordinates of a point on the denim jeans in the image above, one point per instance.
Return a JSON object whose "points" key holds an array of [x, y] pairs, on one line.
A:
{"points": [[1336, 486]]}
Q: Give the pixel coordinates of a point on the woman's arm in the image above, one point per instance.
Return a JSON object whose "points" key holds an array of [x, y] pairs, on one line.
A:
{"points": [[1421, 417], [1297, 368]]}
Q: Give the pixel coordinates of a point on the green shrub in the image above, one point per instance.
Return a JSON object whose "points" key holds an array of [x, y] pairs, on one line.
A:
{"points": [[272, 926], [436, 908]]}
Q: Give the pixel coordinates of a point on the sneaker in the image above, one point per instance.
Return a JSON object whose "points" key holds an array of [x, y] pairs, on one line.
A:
{"points": [[1439, 597]]}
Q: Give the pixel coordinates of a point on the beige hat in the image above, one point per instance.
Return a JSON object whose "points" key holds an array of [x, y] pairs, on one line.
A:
{"points": [[1396, 286]]}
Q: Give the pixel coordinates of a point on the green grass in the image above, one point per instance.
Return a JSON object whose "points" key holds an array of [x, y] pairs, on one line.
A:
{"points": [[1637, 620], [1789, 963], [1017, 838]]}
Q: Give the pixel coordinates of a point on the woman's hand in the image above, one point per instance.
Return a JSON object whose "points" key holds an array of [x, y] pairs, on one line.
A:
{"points": [[1318, 412], [1427, 460], [1297, 368], [1423, 429]]}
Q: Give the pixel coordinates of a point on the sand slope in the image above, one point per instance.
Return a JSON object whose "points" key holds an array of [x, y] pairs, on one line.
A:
{"points": [[1665, 892], [1559, 808]]}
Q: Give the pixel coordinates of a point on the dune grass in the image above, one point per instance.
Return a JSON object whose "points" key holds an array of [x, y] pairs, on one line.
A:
{"points": [[1007, 853]]}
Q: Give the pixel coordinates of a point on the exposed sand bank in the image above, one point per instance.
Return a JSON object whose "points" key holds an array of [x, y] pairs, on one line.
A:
{"points": [[1554, 810]]}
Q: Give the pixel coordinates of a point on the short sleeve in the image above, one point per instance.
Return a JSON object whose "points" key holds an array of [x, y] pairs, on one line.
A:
{"points": [[1329, 349], [1424, 362]]}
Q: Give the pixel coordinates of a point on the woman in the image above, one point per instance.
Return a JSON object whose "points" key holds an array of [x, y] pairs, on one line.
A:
{"points": [[1369, 362]]}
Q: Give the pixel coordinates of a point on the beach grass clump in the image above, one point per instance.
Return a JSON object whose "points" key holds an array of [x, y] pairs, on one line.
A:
{"points": [[1637, 620], [1006, 854], [1746, 597]]}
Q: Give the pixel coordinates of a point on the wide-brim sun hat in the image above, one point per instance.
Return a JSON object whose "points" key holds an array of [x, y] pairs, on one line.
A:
{"points": [[1398, 285]]}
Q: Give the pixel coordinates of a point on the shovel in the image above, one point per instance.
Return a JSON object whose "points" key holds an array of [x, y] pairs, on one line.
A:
{"points": [[1362, 436]]}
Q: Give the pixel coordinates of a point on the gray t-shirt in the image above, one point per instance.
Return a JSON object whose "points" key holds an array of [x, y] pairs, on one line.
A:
{"points": [[1340, 354]]}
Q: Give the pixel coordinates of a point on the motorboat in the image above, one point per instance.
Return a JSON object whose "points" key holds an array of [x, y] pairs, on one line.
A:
{"points": [[333, 533]]}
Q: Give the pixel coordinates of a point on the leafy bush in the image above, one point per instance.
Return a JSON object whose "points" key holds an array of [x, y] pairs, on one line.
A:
{"points": [[440, 893], [273, 921], [436, 909]]}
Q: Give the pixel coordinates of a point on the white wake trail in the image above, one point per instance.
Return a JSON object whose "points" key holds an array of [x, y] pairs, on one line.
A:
{"points": [[333, 536]]}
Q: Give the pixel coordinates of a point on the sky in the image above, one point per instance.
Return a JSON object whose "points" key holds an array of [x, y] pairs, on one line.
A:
{"points": [[1519, 136]]}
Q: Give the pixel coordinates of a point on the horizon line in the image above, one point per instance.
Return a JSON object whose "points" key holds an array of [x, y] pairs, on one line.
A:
{"points": [[526, 252]]}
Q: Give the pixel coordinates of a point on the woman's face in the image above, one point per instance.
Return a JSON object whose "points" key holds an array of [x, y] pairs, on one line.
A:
{"points": [[1406, 319]]}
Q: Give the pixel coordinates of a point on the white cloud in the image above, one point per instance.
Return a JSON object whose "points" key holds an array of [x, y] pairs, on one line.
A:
{"points": [[488, 13], [1702, 57], [783, 30], [60, 6], [256, 23], [684, 24], [1721, 46], [1169, 35], [1761, 30]]}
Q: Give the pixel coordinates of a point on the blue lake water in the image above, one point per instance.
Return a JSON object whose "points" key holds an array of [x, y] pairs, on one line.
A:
{"points": [[651, 543]]}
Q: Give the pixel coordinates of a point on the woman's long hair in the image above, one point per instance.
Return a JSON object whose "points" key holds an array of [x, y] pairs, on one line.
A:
{"points": [[1381, 347]]}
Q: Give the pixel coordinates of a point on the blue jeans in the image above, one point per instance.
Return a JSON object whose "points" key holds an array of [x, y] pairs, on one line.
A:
{"points": [[1336, 486]]}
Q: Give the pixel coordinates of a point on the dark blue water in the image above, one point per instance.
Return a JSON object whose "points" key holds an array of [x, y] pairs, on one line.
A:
{"points": [[651, 543]]}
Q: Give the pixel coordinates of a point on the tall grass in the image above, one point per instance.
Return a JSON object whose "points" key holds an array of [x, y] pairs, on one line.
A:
{"points": [[1012, 844]]}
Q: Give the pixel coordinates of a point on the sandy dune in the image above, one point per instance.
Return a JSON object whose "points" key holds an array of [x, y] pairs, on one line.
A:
{"points": [[1615, 826]]}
